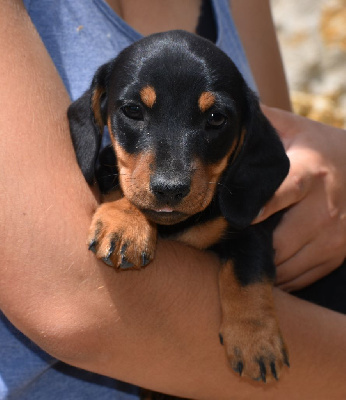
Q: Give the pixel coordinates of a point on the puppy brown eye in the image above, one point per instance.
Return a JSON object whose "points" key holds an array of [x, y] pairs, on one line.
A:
{"points": [[132, 111], [216, 120]]}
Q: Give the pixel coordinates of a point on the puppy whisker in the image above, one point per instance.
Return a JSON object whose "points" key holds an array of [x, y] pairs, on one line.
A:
{"points": [[110, 175], [221, 184]]}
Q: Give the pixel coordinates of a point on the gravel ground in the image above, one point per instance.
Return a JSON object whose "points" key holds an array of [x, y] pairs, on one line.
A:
{"points": [[312, 36]]}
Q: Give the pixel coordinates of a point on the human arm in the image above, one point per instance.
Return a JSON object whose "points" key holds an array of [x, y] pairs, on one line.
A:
{"points": [[311, 239], [256, 29], [157, 327]]}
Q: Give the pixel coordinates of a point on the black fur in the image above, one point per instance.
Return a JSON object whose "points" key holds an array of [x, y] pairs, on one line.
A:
{"points": [[180, 66], [258, 171], [175, 131], [85, 132]]}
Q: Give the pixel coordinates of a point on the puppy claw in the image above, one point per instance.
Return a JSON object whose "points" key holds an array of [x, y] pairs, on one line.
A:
{"points": [[92, 246], [239, 368], [221, 339], [273, 370], [125, 264], [286, 360], [111, 249], [263, 371], [108, 261], [123, 249], [145, 259]]}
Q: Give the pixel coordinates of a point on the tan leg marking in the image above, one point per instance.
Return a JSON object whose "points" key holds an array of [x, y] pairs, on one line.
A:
{"points": [[250, 331]]}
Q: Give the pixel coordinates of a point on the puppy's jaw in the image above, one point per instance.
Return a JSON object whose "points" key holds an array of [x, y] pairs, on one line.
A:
{"points": [[135, 171]]}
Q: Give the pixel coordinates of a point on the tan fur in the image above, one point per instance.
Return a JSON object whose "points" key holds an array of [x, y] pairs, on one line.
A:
{"points": [[249, 326], [215, 170], [96, 106], [204, 235], [148, 96], [205, 101], [121, 222], [238, 145], [112, 196], [135, 170]]}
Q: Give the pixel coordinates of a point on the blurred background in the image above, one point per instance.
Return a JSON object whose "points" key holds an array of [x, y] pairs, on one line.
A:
{"points": [[312, 36]]}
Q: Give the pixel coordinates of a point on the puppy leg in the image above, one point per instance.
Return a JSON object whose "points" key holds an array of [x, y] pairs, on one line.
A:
{"points": [[249, 329], [121, 235]]}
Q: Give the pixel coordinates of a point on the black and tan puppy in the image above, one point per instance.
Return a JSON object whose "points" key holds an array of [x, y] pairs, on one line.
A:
{"points": [[194, 160]]}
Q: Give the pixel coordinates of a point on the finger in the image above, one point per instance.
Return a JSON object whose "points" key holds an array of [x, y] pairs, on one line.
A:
{"points": [[293, 189], [311, 276], [308, 226], [299, 264], [292, 236], [284, 122], [312, 255], [303, 231]]}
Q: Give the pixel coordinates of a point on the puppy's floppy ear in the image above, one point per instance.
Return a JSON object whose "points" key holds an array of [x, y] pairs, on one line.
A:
{"points": [[256, 173], [87, 117]]}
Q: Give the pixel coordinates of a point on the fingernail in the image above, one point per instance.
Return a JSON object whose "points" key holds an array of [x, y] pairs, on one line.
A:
{"points": [[92, 246]]}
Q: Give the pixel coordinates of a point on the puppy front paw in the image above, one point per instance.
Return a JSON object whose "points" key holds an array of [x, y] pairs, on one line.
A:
{"points": [[121, 236]]}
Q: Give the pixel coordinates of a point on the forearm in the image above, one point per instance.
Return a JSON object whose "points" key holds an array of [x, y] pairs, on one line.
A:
{"points": [[51, 287], [257, 32], [158, 327]]}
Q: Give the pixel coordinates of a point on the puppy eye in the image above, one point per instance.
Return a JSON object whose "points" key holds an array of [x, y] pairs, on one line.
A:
{"points": [[132, 111], [216, 120]]}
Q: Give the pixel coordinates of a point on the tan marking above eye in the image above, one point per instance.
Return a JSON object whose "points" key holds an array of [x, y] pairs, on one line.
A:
{"points": [[205, 101], [148, 96]]}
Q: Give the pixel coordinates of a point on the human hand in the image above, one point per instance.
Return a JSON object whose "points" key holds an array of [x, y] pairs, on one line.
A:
{"points": [[310, 241]]}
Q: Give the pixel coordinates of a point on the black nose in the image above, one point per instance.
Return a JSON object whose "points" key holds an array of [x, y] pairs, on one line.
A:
{"points": [[169, 191]]}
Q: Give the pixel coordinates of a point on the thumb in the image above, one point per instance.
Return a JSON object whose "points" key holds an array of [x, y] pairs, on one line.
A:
{"points": [[285, 122], [292, 190]]}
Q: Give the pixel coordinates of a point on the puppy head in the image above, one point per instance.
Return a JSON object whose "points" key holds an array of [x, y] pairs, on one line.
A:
{"points": [[183, 124]]}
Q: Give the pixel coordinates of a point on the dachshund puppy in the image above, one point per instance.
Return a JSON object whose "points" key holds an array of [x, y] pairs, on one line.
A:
{"points": [[193, 159]]}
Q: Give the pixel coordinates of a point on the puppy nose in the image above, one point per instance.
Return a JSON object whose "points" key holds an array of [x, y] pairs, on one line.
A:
{"points": [[169, 191]]}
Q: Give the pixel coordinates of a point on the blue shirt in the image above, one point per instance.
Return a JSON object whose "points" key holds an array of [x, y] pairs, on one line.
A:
{"points": [[80, 35]]}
